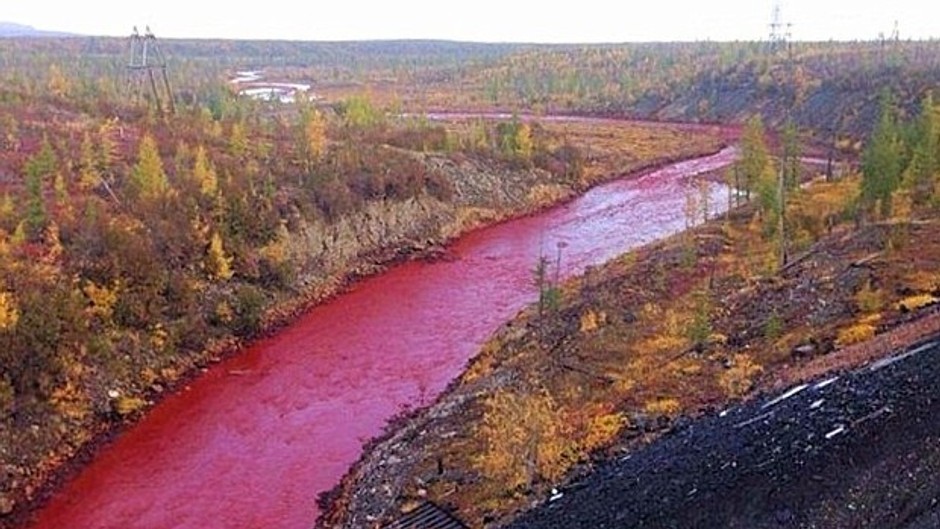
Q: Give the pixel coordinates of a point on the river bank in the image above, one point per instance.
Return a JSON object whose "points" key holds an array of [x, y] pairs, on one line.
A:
{"points": [[635, 347], [523, 195]]}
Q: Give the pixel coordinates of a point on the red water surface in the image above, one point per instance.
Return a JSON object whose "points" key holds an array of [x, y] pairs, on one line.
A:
{"points": [[252, 442]]}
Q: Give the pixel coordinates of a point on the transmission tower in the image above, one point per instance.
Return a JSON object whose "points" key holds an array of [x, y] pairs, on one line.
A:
{"points": [[146, 64], [779, 31]]}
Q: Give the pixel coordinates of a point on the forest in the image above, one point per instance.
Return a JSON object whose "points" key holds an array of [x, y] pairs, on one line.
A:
{"points": [[136, 245]]}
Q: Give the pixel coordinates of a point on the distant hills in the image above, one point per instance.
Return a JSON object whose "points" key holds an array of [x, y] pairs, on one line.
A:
{"points": [[12, 29]]}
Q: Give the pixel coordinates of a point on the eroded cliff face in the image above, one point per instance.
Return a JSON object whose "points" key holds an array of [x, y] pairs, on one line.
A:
{"points": [[328, 253]]}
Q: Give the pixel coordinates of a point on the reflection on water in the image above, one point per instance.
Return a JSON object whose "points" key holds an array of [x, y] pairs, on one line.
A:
{"points": [[249, 83]]}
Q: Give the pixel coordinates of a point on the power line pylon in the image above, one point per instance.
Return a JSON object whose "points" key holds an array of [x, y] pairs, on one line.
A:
{"points": [[779, 30], [145, 64]]}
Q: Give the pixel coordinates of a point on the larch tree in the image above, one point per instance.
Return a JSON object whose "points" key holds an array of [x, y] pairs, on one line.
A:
{"points": [[218, 264], [755, 158], [148, 177], [88, 175], [524, 144], [790, 164], [57, 83], [204, 173], [313, 137], [40, 167], [9, 313], [238, 140], [106, 152]]}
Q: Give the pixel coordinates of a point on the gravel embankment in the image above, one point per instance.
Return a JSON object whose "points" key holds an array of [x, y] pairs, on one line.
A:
{"points": [[859, 449]]}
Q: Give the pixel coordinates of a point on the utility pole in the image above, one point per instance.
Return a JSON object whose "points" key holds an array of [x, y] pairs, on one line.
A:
{"points": [[780, 37], [146, 63]]}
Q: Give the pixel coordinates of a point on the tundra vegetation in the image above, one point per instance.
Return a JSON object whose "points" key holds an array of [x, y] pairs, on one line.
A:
{"points": [[137, 246]]}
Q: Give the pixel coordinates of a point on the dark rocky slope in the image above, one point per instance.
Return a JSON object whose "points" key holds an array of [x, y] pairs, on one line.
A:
{"points": [[860, 449]]}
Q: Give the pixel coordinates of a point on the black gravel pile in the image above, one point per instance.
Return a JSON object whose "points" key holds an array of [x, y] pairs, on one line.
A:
{"points": [[861, 449]]}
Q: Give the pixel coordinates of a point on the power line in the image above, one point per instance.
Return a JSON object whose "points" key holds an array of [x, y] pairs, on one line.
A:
{"points": [[146, 63]]}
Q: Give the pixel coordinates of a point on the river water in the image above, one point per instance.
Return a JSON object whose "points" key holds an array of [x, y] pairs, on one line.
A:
{"points": [[254, 440]]}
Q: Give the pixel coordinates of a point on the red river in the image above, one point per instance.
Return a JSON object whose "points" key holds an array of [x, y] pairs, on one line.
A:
{"points": [[252, 442]]}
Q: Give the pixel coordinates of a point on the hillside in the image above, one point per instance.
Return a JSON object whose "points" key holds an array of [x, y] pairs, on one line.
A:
{"points": [[836, 452], [606, 364], [827, 88], [13, 30], [614, 367]]}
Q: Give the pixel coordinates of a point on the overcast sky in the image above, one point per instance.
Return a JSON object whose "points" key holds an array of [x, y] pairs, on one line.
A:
{"points": [[481, 20]]}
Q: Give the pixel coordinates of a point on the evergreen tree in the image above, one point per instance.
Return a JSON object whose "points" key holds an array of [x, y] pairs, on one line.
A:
{"points": [[881, 161], [39, 167], [922, 171]]}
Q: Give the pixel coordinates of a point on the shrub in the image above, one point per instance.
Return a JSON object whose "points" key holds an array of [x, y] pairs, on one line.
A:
{"points": [[591, 321], [739, 380], [663, 407], [773, 327], [869, 300], [602, 429], [860, 332], [126, 405], [6, 398], [250, 304], [923, 281], [912, 303], [524, 439]]}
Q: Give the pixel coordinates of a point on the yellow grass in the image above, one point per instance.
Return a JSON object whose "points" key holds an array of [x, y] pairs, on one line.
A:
{"points": [[854, 334], [663, 407], [739, 380], [913, 303]]}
